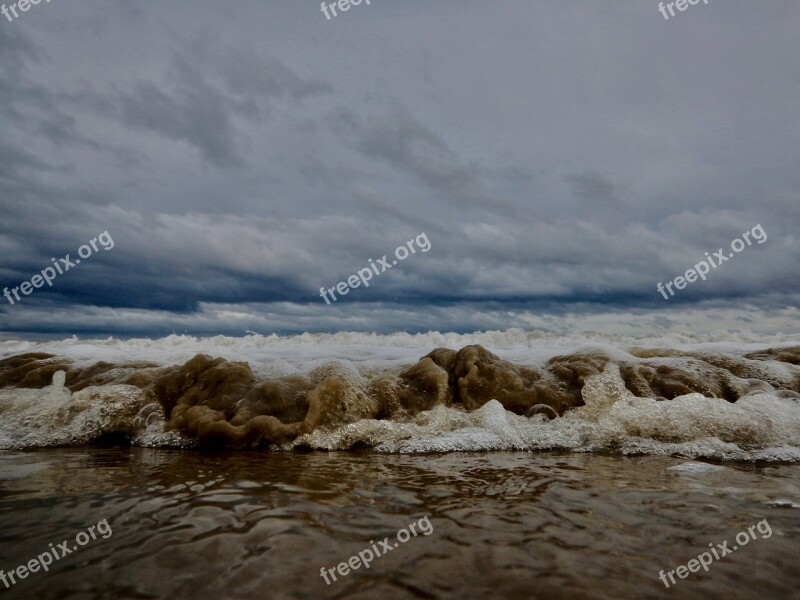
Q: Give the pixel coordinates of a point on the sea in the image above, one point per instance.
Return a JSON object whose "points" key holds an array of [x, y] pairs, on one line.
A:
{"points": [[506, 464]]}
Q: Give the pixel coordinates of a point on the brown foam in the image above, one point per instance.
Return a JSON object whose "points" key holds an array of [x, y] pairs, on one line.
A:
{"points": [[223, 403], [35, 370]]}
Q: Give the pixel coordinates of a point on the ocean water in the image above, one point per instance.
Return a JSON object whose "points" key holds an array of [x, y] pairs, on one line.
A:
{"points": [[249, 525], [546, 467]]}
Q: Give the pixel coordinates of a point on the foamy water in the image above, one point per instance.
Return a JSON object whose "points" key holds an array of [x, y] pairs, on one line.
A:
{"points": [[276, 355], [364, 372]]}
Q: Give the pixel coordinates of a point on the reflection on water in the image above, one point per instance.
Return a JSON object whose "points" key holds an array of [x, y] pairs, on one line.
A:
{"points": [[505, 525]]}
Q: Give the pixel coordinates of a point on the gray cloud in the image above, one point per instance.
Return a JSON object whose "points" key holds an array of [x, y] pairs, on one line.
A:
{"points": [[207, 88], [245, 159], [594, 187]]}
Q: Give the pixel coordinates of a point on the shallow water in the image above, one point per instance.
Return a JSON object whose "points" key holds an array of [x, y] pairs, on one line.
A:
{"points": [[190, 524]]}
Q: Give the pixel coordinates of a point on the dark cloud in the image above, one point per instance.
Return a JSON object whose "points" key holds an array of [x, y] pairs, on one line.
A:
{"points": [[593, 187], [563, 159], [199, 99]]}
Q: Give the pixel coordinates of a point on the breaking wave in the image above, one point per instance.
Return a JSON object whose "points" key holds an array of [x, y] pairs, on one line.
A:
{"points": [[724, 403]]}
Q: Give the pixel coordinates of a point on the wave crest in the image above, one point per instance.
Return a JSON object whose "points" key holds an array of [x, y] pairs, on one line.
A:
{"points": [[725, 405]]}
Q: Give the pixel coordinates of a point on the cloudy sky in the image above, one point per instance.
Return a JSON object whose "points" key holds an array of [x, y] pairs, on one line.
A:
{"points": [[562, 158]]}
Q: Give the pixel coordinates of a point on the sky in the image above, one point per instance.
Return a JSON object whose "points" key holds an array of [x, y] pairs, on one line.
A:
{"points": [[562, 158]]}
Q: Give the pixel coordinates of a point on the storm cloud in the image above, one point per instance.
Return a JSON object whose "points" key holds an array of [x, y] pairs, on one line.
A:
{"points": [[562, 158]]}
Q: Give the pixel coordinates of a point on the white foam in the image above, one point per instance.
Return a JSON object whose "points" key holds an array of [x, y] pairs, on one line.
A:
{"points": [[275, 355], [763, 426], [53, 416], [693, 467], [783, 504]]}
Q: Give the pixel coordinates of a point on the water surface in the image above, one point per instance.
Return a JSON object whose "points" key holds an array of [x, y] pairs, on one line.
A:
{"points": [[189, 524]]}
